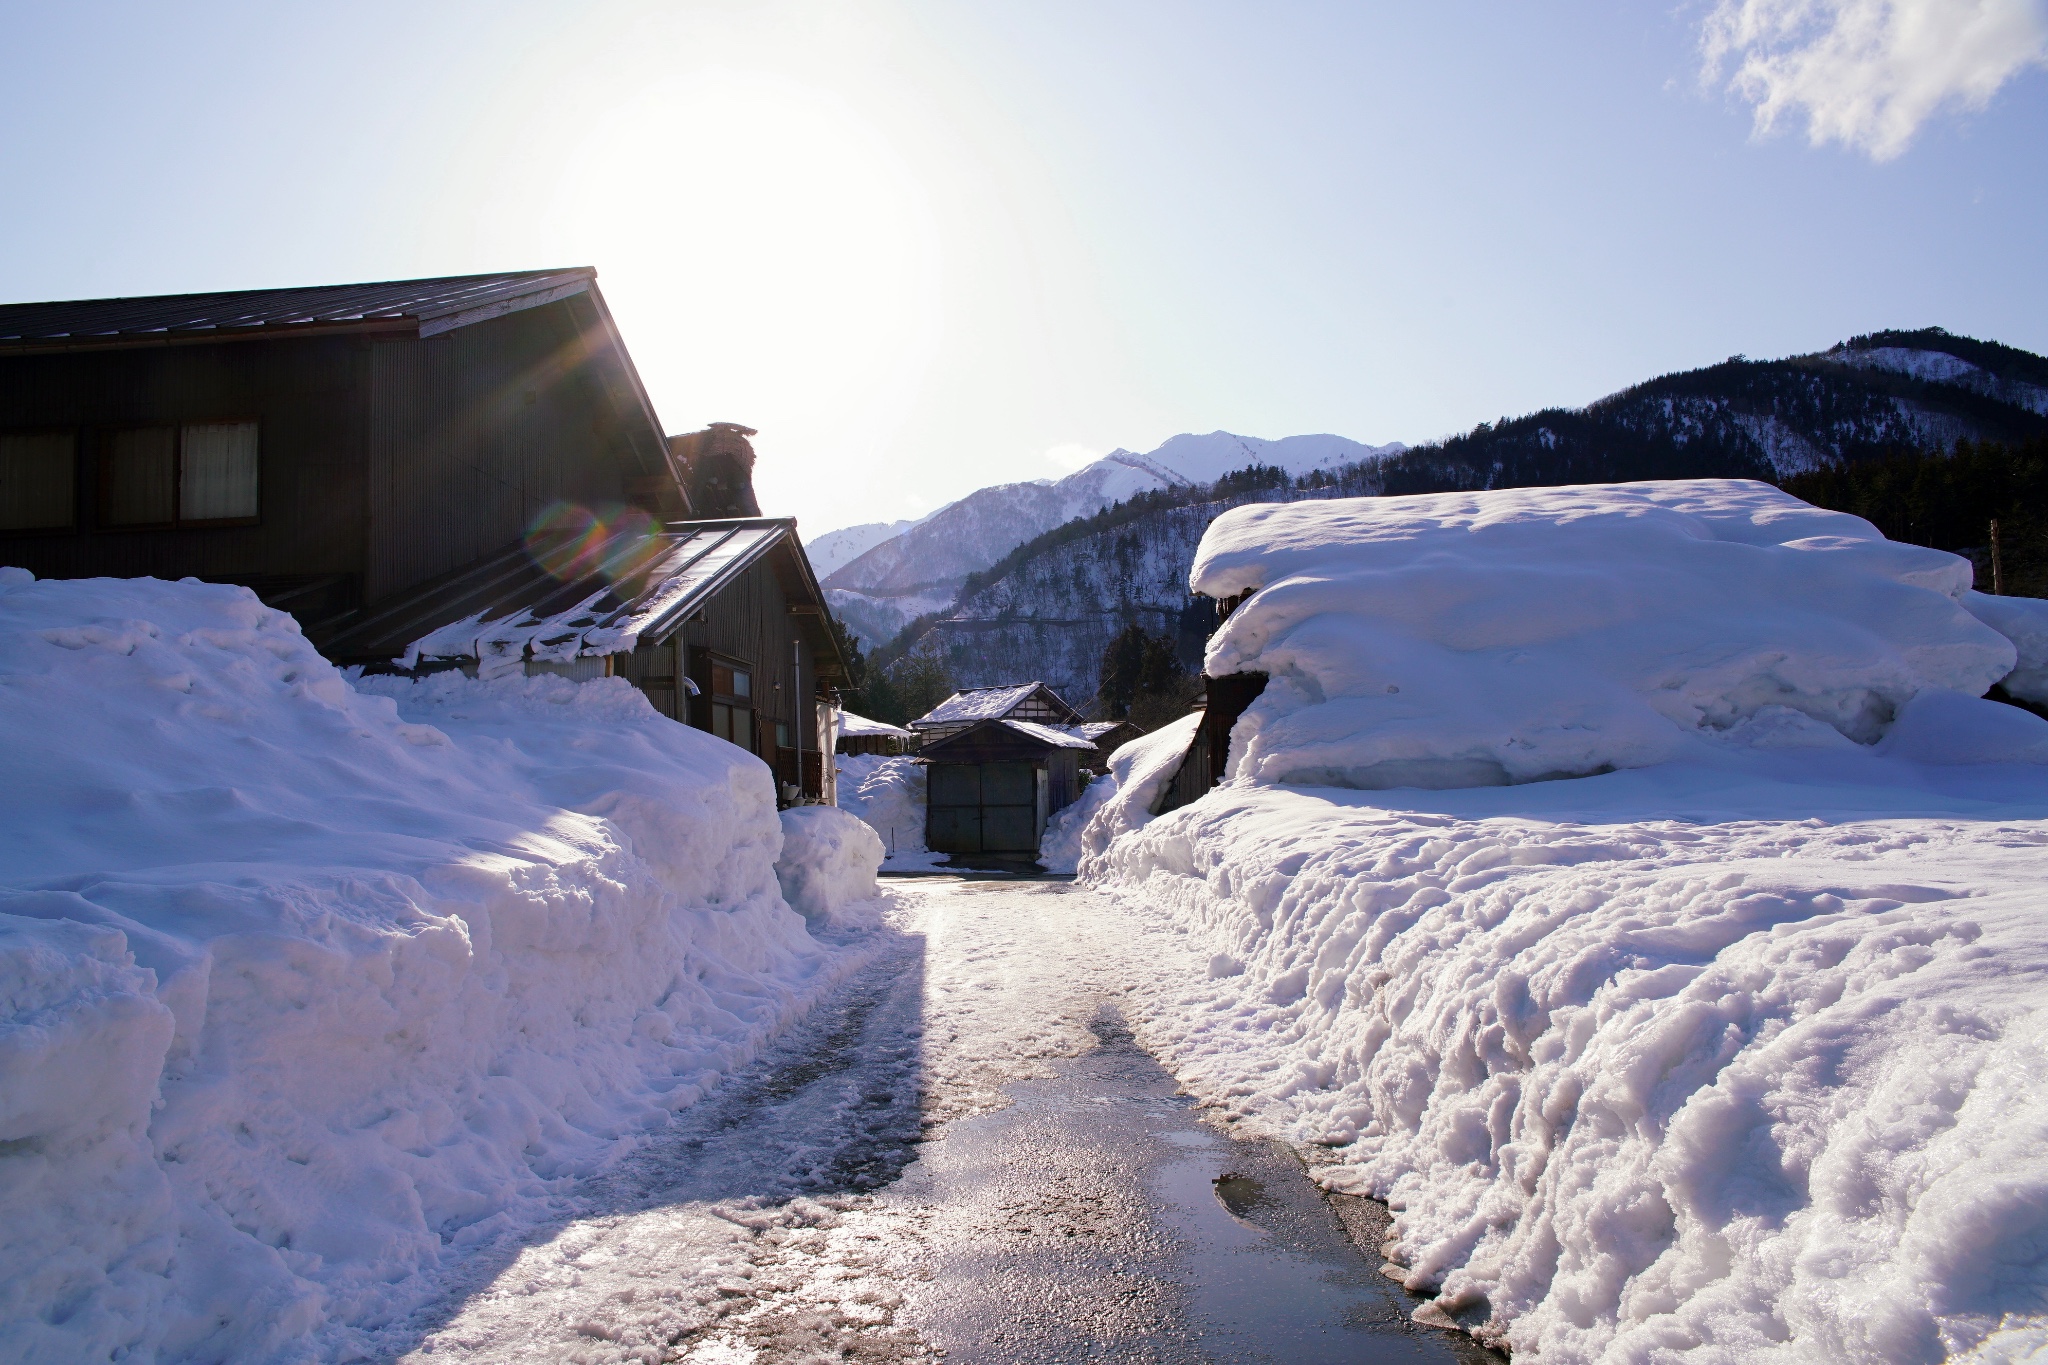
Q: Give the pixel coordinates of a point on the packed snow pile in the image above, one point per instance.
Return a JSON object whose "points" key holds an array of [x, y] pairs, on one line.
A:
{"points": [[1459, 640], [828, 864], [887, 793], [1737, 1050], [306, 987]]}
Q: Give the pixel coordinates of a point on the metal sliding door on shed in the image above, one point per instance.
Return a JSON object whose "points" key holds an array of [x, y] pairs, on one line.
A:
{"points": [[982, 808]]}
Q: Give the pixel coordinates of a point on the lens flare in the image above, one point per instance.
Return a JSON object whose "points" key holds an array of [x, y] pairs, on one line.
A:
{"points": [[612, 542]]}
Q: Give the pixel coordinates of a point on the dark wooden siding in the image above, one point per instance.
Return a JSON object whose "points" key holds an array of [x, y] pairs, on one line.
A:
{"points": [[384, 459], [474, 434], [304, 393]]}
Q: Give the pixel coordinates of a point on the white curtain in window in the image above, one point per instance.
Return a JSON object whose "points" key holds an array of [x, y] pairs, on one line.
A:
{"points": [[37, 479], [219, 478], [139, 462]]}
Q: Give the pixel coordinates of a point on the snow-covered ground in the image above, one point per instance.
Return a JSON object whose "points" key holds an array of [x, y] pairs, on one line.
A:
{"points": [[308, 990], [1732, 1042], [888, 793]]}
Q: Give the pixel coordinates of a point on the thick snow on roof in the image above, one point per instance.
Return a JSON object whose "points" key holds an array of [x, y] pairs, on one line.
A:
{"points": [[1094, 729], [850, 724], [978, 703], [1467, 639]]}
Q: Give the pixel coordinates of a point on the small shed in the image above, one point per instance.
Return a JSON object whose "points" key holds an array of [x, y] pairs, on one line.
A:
{"points": [[992, 785], [1030, 701], [859, 735], [1107, 736]]}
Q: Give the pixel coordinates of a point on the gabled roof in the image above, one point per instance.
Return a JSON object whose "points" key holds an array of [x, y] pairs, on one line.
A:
{"points": [[425, 307], [987, 703], [1045, 736], [603, 595]]}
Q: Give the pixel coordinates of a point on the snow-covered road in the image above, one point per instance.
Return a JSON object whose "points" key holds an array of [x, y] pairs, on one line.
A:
{"points": [[1062, 1204]]}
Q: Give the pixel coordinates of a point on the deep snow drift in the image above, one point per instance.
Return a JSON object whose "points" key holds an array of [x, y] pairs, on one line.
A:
{"points": [[1739, 1051], [305, 988], [888, 794]]}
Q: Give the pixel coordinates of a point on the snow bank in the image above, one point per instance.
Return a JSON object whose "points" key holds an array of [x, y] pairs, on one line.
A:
{"points": [[1459, 640], [1740, 1049], [1689, 1058], [888, 793], [1137, 771], [2024, 621], [828, 863], [389, 961]]}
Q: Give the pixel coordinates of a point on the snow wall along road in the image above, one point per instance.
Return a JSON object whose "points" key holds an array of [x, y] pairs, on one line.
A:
{"points": [[1728, 1041], [307, 987]]}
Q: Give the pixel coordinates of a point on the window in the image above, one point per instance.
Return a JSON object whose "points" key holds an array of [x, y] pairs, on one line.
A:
{"points": [[732, 709], [38, 480], [161, 476], [782, 734]]}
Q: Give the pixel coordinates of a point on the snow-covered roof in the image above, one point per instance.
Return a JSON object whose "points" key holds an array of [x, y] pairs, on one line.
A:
{"points": [[977, 703], [1094, 729], [985, 703], [620, 584], [1053, 735], [859, 726]]}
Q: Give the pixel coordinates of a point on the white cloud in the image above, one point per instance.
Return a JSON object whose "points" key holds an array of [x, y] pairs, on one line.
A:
{"points": [[1072, 457], [1868, 73]]}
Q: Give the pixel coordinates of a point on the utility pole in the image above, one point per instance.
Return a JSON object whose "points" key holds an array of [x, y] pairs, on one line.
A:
{"points": [[1997, 562]]}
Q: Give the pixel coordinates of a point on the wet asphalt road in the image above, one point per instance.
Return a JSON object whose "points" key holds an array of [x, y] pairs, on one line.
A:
{"points": [[1098, 1218]]}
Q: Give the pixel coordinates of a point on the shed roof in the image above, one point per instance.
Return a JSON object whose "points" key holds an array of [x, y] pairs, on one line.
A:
{"points": [[986, 703], [1042, 736], [603, 594], [427, 307]]}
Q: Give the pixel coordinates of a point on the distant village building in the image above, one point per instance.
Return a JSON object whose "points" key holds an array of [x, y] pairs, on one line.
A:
{"points": [[999, 763], [860, 735], [453, 472], [1107, 736]]}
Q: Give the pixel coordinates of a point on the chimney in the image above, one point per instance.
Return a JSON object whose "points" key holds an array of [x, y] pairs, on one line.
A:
{"points": [[718, 470]]}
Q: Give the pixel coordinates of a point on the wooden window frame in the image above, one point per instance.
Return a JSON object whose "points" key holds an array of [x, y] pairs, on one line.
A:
{"points": [[731, 701], [103, 476], [78, 492]]}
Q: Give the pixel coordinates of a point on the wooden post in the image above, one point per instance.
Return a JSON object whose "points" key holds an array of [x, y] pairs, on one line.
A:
{"points": [[1997, 562]]}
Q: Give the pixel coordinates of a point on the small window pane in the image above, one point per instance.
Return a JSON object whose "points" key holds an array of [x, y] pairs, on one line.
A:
{"points": [[742, 683], [218, 474], [781, 734], [138, 476], [721, 721], [37, 480], [743, 728]]}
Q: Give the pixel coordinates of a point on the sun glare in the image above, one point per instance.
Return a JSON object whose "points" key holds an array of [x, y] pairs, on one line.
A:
{"points": [[778, 255]]}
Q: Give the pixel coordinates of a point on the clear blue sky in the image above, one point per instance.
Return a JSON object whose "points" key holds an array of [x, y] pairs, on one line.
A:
{"points": [[925, 247]]}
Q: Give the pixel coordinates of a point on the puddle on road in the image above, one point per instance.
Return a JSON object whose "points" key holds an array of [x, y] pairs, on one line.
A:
{"points": [[1099, 1219]]}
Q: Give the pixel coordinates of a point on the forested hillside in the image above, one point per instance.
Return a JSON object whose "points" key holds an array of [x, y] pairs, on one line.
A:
{"points": [[1929, 435]]}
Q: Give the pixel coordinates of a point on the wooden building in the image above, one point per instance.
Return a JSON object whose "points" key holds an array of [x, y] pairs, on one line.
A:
{"points": [[1107, 736], [992, 784], [1208, 753], [330, 447], [1031, 701], [456, 472]]}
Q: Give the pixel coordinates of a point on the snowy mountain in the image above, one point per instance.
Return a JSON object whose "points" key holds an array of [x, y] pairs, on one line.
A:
{"points": [[1053, 603], [920, 570], [849, 543]]}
